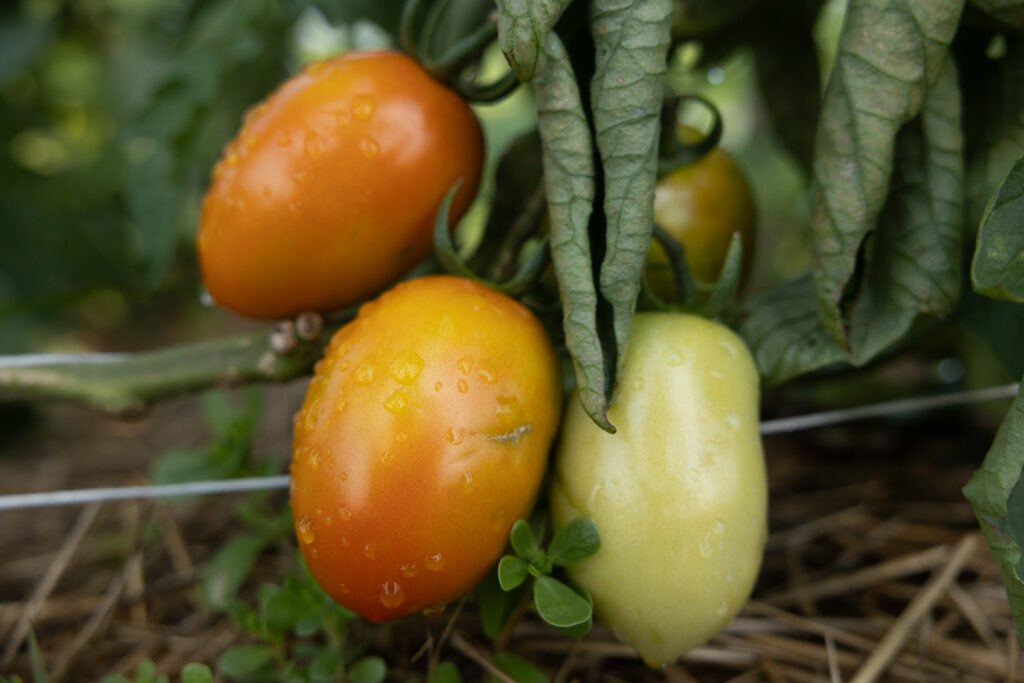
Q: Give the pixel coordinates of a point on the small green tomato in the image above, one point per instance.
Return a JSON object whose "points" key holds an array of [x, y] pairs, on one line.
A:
{"points": [[679, 493]]}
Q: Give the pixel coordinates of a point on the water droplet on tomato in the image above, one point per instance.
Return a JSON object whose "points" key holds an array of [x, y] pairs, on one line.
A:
{"points": [[302, 177], [344, 365], [716, 374], [434, 563], [728, 346], [369, 551], [462, 385], [284, 140], [342, 588], [467, 477], [438, 386], [304, 530], [232, 159], [344, 513], [400, 437], [718, 527], [391, 594], [454, 436], [369, 147], [465, 365], [721, 608], [409, 571], [672, 356], [398, 401], [406, 368], [252, 141], [314, 553], [343, 476], [733, 420], [314, 145], [507, 405], [487, 376], [706, 548], [363, 106], [387, 456], [340, 405], [314, 458], [365, 373], [328, 521]]}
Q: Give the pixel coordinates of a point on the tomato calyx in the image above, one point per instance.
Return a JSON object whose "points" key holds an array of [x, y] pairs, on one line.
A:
{"points": [[526, 277], [458, 63]]}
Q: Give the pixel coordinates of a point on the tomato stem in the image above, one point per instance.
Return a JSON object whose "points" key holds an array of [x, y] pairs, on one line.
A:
{"points": [[675, 153]]}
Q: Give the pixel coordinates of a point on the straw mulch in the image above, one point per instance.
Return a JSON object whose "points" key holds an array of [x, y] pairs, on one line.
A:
{"points": [[874, 569]]}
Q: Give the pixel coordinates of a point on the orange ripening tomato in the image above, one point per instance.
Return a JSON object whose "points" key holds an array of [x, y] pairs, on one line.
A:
{"points": [[701, 205], [329, 192], [423, 437]]}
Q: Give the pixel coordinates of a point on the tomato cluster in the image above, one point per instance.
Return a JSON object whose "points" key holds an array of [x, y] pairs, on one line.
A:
{"points": [[425, 432]]}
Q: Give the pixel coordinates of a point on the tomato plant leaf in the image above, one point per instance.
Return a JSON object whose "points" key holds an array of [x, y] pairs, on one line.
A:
{"points": [[250, 663], [782, 327], [569, 186], [512, 572], [559, 605], [224, 573], [997, 493], [324, 667], [367, 670], [575, 541], [912, 260], [445, 672], [518, 668], [523, 541], [523, 29], [998, 266], [195, 672], [890, 52], [631, 41]]}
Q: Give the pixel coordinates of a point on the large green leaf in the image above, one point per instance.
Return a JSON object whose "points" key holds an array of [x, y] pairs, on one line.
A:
{"points": [[913, 258], [523, 28], [631, 41], [890, 53], [998, 267], [997, 492], [783, 330], [569, 185]]}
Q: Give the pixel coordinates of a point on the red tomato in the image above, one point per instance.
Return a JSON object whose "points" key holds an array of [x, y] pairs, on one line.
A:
{"points": [[424, 435], [330, 189]]}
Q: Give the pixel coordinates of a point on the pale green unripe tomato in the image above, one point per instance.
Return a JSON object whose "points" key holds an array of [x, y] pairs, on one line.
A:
{"points": [[679, 493]]}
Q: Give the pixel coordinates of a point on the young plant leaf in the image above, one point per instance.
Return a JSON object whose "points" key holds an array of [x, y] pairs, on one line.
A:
{"points": [[559, 605], [512, 571], [196, 673], [496, 605], [445, 672], [326, 665], [523, 541], [631, 41], [39, 673], [575, 541], [518, 668], [997, 493], [890, 53], [251, 663], [367, 670], [225, 572], [998, 266]]}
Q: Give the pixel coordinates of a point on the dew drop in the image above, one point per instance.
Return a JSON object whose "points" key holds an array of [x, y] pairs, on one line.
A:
{"points": [[302, 177], [344, 365], [329, 521], [365, 373], [363, 107], [343, 542], [342, 588], [284, 140], [721, 608], [729, 576], [314, 552], [705, 547], [406, 368], [344, 513], [672, 356], [398, 401], [454, 436], [487, 376], [304, 530], [314, 458], [438, 386], [232, 159], [462, 385], [733, 420], [315, 147], [434, 611], [369, 551], [343, 476], [251, 141], [387, 456], [391, 594], [340, 405], [400, 437], [465, 365], [507, 405], [434, 563], [728, 346], [409, 571], [638, 385], [716, 375], [369, 147], [467, 477]]}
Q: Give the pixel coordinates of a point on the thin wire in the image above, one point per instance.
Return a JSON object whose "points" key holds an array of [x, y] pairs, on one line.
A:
{"points": [[768, 427]]}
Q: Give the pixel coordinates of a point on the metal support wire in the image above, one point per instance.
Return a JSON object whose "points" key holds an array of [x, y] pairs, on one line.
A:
{"points": [[768, 427]]}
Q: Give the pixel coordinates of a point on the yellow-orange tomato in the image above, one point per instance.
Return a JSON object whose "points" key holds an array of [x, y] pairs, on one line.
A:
{"points": [[701, 205], [330, 189], [423, 437]]}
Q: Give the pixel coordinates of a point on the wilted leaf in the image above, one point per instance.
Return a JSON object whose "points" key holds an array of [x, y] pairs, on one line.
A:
{"points": [[523, 29]]}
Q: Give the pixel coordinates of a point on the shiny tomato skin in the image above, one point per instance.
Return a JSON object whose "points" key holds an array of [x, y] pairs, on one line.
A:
{"points": [[329, 191], [701, 205], [424, 435]]}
